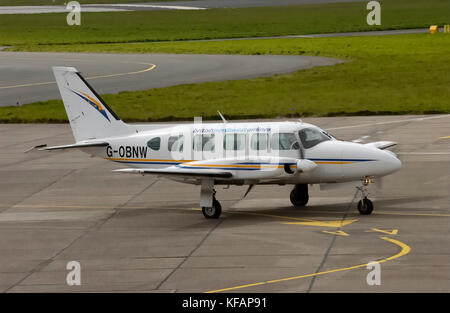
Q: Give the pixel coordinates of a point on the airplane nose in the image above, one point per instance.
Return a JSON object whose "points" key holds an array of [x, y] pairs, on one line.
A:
{"points": [[390, 162]]}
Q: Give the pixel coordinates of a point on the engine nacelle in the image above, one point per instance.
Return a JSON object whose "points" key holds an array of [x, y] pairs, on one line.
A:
{"points": [[304, 166]]}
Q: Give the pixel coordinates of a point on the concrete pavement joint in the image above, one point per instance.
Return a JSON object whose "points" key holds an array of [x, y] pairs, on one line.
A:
{"points": [[333, 240], [191, 253]]}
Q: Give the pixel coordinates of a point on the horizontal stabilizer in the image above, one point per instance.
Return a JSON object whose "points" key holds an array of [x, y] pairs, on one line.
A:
{"points": [[76, 145], [176, 171]]}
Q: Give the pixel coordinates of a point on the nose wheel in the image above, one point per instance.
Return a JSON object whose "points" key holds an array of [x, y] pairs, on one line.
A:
{"points": [[365, 206]]}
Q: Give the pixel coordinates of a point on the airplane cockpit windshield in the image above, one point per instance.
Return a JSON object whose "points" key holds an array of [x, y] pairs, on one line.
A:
{"points": [[311, 137]]}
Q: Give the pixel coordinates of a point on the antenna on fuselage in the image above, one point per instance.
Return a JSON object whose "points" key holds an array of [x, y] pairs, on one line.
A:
{"points": [[223, 118]]}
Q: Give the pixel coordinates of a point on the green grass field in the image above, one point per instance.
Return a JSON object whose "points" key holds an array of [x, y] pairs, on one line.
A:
{"points": [[385, 75], [144, 26]]}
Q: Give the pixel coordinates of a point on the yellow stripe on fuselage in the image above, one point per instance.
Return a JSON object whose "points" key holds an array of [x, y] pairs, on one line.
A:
{"points": [[334, 162], [223, 165], [148, 160]]}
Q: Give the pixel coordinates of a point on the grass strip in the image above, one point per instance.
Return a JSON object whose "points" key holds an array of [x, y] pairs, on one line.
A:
{"points": [[402, 74]]}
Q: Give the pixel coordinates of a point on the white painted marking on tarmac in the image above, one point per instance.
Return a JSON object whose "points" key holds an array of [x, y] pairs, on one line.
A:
{"points": [[170, 7], [424, 153], [391, 122], [50, 9]]}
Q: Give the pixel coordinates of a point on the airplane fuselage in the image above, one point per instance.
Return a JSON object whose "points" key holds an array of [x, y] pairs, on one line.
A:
{"points": [[255, 152]]}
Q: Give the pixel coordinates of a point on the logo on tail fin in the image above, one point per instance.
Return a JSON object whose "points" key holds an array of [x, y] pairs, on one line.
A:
{"points": [[94, 103]]}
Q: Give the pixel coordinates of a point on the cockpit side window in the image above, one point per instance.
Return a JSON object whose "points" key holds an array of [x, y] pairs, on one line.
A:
{"points": [[284, 141], [311, 137]]}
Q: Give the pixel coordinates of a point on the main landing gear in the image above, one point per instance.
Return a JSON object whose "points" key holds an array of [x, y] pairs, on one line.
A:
{"points": [[211, 208], [214, 211], [299, 195], [365, 206]]}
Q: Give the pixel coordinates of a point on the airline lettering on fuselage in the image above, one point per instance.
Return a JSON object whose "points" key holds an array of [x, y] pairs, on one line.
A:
{"points": [[132, 152]]}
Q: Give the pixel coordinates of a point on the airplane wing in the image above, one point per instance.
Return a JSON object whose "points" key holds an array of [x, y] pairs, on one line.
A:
{"points": [[176, 171], [381, 144], [235, 168]]}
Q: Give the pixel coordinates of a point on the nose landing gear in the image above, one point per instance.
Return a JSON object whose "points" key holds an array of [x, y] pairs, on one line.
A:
{"points": [[365, 206]]}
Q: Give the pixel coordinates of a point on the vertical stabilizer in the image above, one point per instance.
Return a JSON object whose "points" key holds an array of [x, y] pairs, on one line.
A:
{"points": [[89, 116]]}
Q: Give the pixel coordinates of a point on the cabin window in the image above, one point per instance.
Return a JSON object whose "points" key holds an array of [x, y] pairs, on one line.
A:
{"points": [[284, 141], [259, 141], [204, 142], [234, 142], [175, 143], [311, 137], [154, 143]]}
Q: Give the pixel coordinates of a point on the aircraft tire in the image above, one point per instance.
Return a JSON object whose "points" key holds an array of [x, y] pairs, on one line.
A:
{"points": [[365, 206], [299, 195], [214, 211]]}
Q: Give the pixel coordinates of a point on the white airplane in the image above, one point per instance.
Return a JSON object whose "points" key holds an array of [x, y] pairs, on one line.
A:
{"points": [[225, 153]]}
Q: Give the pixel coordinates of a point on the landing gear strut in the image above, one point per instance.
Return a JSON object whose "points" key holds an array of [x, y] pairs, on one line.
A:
{"points": [[365, 206], [211, 208], [299, 195]]}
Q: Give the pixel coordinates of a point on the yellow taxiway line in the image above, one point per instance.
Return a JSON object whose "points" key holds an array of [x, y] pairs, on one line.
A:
{"points": [[151, 67], [405, 249], [300, 221]]}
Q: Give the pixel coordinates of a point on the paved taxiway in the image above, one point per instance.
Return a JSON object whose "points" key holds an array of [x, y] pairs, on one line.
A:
{"points": [[172, 5], [145, 234], [27, 77]]}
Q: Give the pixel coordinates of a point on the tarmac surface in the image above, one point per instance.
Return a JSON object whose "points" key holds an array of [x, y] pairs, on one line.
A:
{"points": [[27, 76], [146, 234]]}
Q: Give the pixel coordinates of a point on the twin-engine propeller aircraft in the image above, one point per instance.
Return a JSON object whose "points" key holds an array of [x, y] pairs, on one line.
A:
{"points": [[225, 153]]}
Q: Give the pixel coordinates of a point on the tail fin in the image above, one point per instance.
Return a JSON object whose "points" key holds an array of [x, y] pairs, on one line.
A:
{"points": [[89, 116]]}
